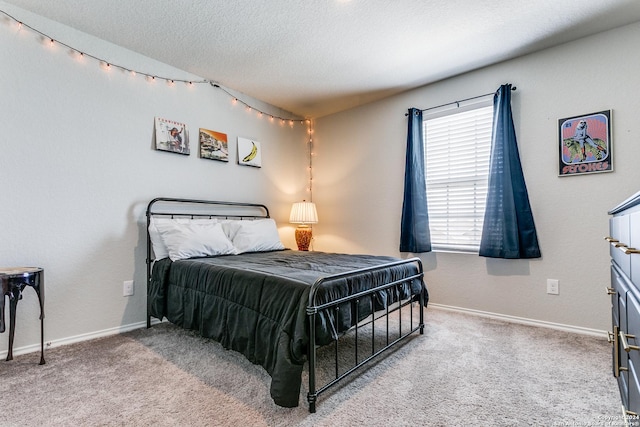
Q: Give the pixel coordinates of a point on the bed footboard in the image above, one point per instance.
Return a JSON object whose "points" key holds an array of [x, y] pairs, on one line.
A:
{"points": [[314, 309]]}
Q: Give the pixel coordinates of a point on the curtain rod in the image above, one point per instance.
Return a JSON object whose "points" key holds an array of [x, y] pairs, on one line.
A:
{"points": [[458, 102]]}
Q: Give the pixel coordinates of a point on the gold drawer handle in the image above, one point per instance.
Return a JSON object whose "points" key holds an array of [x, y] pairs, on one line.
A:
{"points": [[622, 368], [625, 344], [631, 413], [630, 251], [611, 240], [618, 245], [610, 291]]}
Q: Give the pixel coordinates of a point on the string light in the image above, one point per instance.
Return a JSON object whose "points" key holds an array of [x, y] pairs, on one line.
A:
{"points": [[150, 77], [235, 100], [311, 154]]}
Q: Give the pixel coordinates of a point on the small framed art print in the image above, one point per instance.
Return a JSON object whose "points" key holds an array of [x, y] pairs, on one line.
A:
{"points": [[171, 136], [585, 144], [213, 145], [249, 152]]}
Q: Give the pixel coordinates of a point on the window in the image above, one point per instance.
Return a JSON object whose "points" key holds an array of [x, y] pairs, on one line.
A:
{"points": [[457, 151]]}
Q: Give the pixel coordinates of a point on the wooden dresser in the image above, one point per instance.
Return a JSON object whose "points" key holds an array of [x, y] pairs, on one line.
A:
{"points": [[624, 240]]}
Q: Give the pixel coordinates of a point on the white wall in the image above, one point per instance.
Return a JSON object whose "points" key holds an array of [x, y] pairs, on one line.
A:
{"points": [[359, 167], [77, 169]]}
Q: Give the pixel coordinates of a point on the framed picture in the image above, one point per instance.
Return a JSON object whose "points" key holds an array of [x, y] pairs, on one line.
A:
{"points": [[171, 136], [213, 145], [249, 152], [585, 144]]}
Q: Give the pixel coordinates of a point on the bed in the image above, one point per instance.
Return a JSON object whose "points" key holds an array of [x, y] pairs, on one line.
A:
{"points": [[224, 273]]}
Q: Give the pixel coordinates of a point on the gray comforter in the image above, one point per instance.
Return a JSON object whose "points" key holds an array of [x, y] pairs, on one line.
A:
{"points": [[255, 304]]}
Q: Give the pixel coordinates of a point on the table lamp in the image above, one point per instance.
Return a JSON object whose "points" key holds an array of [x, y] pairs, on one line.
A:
{"points": [[303, 213]]}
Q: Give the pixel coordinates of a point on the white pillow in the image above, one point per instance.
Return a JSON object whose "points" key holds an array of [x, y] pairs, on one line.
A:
{"points": [[194, 240], [253, 236], [159, 248]]}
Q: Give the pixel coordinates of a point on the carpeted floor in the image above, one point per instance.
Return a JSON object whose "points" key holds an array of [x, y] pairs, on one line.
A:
{"points": [[464, 370]]}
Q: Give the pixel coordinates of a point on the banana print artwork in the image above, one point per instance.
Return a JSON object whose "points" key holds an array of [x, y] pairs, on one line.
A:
{"points": [[252, 154], [249, 152]]}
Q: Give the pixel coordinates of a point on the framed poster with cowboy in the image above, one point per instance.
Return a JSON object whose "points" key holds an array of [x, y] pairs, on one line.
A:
{"points": [[585, 144], [171, 136]]}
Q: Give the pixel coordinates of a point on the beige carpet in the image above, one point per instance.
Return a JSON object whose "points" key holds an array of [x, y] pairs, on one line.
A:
{"points": [[464, 370]]}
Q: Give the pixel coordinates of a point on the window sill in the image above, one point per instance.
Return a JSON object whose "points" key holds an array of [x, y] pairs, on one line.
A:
{"points": [[456, 251]]}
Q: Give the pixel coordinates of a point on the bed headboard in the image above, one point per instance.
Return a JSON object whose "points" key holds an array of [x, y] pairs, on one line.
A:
{"points": [[192, 208], [168, 207]]}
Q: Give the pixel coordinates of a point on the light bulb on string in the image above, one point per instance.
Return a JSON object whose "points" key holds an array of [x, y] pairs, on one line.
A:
{"points": [[76, 54]]}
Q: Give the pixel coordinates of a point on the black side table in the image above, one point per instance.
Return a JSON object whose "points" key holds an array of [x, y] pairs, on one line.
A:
{"points": [[14, 280]]}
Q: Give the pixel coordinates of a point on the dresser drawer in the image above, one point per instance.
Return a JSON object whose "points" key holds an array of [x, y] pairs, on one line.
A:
{"points": [[632, 326], [619, 231], [633, 400], [634, 242], [620, 288], [623, 385]]}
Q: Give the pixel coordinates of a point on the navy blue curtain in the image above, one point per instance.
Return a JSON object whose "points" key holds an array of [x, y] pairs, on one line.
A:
{"points": [[508, 230], [414, 228]]}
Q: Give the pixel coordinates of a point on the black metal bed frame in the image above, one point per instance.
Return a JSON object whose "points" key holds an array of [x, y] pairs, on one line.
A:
{"points": [[314, 308]]}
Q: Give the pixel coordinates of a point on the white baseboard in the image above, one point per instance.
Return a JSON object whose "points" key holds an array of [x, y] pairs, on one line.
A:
{"points": [[78, 338], [523, 320]]}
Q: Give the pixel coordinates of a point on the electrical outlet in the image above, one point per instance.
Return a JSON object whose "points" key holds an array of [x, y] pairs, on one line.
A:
{"points": [[127, 288], [553, 287]]}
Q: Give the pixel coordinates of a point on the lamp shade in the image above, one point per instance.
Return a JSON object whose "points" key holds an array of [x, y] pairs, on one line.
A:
{"points": [[303, 213]]}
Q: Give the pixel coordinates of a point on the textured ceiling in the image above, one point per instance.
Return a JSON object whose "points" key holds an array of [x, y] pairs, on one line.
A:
{"points": [[317, 57]]}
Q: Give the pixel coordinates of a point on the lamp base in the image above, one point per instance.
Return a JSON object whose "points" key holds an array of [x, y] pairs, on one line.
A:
{"points": [[303, 237]]}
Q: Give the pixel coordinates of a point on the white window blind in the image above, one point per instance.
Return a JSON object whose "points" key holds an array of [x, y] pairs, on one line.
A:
{"points": [[457, 151]]}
